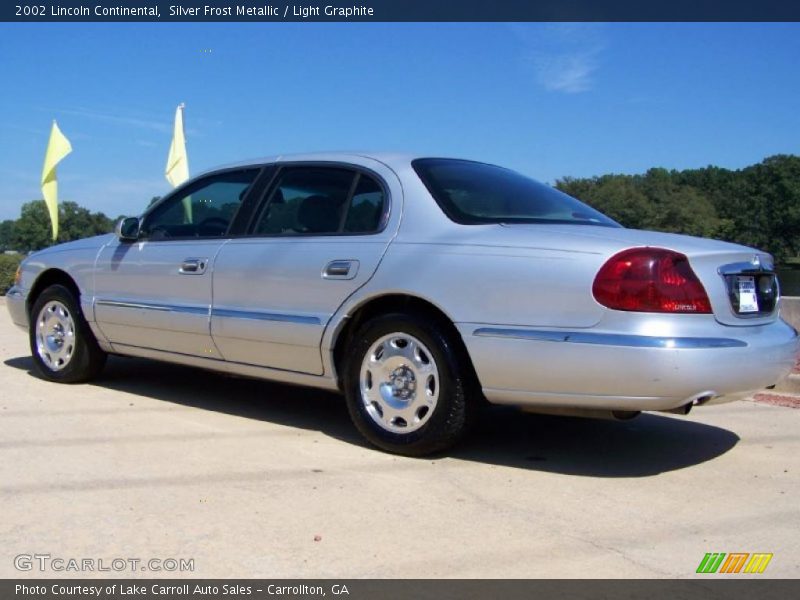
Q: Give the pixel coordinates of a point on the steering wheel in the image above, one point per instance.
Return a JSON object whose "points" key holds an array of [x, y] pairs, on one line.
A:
{"points": [[159, 232], [212, 226]]}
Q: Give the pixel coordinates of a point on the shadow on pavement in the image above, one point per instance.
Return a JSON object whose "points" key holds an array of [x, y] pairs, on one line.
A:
{"points": [[645, 446]]}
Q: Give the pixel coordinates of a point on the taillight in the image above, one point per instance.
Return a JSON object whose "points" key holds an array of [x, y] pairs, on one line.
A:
{"points": [[650, 280]]}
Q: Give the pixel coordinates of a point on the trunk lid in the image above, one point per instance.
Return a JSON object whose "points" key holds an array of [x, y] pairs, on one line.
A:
{"points": [[740, 281]]}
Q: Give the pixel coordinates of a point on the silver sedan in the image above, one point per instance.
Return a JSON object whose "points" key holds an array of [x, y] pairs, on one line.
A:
{"points": [[419, 287]]}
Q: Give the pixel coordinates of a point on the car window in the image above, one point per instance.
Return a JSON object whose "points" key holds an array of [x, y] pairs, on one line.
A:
{"points": [[205, 209], [321, 200], [366, 207], [472, 193]]}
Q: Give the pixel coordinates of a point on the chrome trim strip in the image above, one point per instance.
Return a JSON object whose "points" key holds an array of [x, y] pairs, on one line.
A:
{"points": [[755, 266], [193, 310], [216, 312], [263, 316], [610, 339]]}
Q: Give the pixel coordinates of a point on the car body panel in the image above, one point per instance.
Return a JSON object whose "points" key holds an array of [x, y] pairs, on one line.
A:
{"points": [[519, 295], [143, 299], [77, 259], [15, 301], [272, 301], [649, 372], [497, 284]]}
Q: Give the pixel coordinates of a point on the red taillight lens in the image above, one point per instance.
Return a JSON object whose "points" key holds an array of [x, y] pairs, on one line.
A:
{"points": [[650, 280]]}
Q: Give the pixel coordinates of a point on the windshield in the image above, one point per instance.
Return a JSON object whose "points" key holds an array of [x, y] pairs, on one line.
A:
{"points": [[471, 193]]}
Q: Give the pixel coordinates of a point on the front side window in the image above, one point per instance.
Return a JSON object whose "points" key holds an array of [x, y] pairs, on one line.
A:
{"points": [[472, 193], [205, 209], [321, 201]]}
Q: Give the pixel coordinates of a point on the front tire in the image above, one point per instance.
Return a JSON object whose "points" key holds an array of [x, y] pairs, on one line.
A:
{"points": [[63, 346], [408, 385]]}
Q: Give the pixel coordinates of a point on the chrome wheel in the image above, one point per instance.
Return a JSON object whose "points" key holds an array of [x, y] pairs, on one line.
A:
{"points": [[399, 383], [55, 335]]}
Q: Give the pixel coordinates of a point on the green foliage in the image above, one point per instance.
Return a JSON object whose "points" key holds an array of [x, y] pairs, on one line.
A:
{"points": [[32, 230], [757, 206], [8, 269], [6, 235]]}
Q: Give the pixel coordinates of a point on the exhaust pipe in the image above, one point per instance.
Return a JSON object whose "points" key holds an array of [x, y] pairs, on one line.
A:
{"points": [[697, 400], [588, 413], [681, 410]]}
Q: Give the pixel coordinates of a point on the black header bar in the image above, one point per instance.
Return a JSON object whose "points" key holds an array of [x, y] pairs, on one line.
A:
{"points": [[708, 588], [398, 10]]}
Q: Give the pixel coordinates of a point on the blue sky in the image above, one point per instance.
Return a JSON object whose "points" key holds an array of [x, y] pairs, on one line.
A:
{"points": [[549, 100]]}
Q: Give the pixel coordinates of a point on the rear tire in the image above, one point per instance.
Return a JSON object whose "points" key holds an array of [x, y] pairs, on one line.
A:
{"points": [[63, 346], [408, 385]]}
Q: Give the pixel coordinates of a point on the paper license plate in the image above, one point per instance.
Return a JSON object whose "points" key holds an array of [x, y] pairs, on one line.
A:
{"points": [[748, 302]]}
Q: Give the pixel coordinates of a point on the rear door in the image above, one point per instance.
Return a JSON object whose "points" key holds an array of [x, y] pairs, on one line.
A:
{"points": [[317, 237], [156, 292]]}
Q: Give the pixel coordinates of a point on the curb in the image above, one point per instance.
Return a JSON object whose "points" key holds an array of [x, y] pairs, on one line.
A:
{"points": [[787, 400]]}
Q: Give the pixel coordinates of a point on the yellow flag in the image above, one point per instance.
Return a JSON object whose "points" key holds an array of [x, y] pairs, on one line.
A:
{"points": [[57, 148], [178, 163]]}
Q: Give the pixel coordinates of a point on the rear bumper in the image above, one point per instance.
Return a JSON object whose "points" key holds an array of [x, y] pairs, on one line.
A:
{"points": [[15, 301], [601, 370]]}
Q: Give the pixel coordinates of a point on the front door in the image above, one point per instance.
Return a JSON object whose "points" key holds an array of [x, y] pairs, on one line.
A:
{"points": [[156, 292]]}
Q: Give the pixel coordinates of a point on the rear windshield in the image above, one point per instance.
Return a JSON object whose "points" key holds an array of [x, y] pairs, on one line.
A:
{"points": [[472, 193]]}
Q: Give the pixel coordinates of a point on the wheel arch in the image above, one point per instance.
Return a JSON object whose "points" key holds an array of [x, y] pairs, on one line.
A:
{"points": [[389, 303], [52, 276]]}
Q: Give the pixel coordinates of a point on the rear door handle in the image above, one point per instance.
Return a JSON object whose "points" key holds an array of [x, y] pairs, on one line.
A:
{"points": [[193, 266], [340, 269]]}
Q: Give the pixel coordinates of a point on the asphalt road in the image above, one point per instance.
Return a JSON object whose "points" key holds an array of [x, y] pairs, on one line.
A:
{"points": [[252, 479]]}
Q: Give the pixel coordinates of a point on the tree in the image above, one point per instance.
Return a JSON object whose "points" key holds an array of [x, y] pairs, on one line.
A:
{"points": [[6, 235], [756, 206], [32, 230], [618, 196], [8, 269]]}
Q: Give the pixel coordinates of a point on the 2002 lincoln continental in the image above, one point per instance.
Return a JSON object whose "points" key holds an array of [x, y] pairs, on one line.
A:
{"points": [[417, 286]]}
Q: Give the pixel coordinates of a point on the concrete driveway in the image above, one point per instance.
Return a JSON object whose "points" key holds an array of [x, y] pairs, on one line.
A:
{"points": [[252, 479]]}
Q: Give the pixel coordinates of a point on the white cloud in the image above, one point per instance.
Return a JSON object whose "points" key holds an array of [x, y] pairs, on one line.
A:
{"points": [[137, 121], [162, 126], [565, 56]]}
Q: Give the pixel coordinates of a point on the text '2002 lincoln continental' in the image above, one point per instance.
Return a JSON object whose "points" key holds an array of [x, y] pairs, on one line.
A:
{"points": [[419, 287]]}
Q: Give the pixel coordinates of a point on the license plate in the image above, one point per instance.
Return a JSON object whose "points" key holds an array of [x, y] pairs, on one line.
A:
{"points": [[748, 301]]}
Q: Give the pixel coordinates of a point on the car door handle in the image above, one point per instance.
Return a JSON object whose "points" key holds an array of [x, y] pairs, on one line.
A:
{"points": [[340, 269], [193, 266]]}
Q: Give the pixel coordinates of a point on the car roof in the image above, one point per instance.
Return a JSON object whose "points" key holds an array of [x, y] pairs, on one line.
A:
{"points": [[391, 159]]}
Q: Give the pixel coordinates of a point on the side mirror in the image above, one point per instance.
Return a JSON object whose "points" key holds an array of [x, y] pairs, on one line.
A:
{"points": [[127, 229]]}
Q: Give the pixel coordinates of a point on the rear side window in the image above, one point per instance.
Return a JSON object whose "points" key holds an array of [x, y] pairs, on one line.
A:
{"points": [[473, 193], [366, 207], [321, 201]]}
